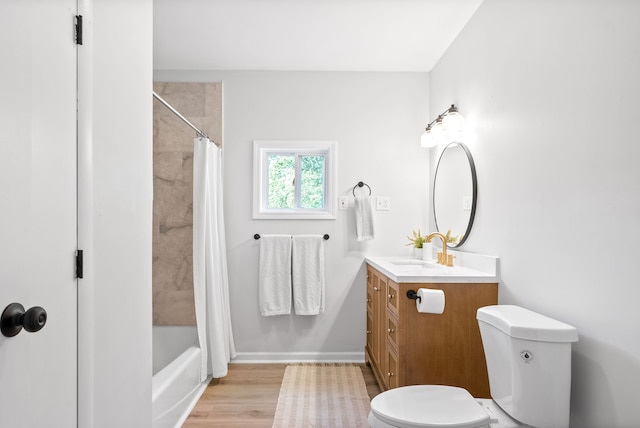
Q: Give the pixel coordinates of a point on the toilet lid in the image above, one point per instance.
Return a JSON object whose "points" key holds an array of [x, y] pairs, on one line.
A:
{"points": [[429, 406]]}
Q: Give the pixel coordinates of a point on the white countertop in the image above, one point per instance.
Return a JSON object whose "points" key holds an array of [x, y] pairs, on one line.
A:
{"points": [[471, 268]]}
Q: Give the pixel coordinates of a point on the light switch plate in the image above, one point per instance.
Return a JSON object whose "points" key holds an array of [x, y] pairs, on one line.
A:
{"points": [[467, 201], [343, 203], [383, 203]]}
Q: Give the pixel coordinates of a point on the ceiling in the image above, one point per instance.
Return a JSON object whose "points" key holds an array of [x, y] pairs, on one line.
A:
{"points": [[322, 35]]}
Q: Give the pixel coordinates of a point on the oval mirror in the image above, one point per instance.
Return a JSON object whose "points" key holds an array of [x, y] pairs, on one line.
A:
{"points": [[454, 194]]}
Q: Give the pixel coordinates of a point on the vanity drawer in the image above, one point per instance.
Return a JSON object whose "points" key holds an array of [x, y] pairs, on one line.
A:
{"points": [[392, 330], [393, 290]]}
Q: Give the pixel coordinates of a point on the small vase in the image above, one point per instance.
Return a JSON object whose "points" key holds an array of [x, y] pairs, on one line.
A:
{"points": [[417, 253], [427, 254]]}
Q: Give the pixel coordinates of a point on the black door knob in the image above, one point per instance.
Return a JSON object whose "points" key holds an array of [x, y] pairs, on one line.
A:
{"points": [[14, 319]]}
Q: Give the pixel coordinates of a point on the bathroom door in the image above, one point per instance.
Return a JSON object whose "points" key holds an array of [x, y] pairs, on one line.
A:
{"points": [[38, 221]]}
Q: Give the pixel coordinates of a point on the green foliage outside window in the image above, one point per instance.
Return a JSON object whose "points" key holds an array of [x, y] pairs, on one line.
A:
{"points": [[312, 182], [282, 188], [282, 173]]}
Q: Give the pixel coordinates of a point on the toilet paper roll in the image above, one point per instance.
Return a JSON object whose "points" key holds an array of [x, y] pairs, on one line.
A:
{"points": [[430, 301]]}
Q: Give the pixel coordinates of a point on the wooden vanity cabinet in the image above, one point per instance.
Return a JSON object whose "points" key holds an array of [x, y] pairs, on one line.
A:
{"points": [[406, 347]]}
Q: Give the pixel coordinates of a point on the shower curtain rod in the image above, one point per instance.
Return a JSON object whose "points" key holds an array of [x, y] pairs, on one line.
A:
{"points": [[184, 119]]}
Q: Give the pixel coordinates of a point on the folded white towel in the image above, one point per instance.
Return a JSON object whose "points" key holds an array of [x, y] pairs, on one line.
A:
{"points": [[308, 274], [274, 285], [364, 219]]}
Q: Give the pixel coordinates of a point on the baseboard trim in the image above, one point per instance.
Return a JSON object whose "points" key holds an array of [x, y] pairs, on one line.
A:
{"points": [[297, 357]]}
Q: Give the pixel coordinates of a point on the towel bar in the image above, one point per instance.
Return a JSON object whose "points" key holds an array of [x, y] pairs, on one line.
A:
{"points": [[325, 236]]}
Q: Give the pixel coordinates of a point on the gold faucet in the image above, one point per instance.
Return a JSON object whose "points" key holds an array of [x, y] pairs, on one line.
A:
{"points": [[443, 259]]}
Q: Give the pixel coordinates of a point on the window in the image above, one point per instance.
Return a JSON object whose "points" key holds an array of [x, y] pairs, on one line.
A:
{"points": [[294, 180]]}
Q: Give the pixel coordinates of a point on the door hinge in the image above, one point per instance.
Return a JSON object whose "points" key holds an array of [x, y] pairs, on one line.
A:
{"points": [[79, 264], [78, 26]]}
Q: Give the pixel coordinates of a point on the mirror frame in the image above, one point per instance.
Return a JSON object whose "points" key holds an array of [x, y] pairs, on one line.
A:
{"points": [[474, 199]]}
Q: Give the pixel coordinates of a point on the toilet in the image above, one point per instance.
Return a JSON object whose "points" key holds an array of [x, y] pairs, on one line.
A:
{"points": [[529, 365]]}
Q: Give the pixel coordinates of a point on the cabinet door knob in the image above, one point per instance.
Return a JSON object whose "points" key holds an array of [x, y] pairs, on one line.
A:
{"points": [[390, 330], [390, 296], [368, 331], [375, 289], [389, 374]]}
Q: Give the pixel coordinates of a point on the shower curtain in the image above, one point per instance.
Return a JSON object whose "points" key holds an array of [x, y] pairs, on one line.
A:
{"points": [[210, 279]]}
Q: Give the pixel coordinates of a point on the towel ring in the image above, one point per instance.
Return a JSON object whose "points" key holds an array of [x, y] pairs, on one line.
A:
{"points": [[360, 184]]}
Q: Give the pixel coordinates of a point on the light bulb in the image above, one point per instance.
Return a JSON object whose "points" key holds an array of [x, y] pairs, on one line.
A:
{"points": [[426, 140], [437, 132], [453, 124]]}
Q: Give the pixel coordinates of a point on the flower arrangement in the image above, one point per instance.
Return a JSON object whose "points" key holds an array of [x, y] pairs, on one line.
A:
{"points": [[417, 241]]}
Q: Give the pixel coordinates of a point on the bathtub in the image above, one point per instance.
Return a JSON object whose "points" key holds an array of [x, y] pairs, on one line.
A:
{"points": [[176, 375]]}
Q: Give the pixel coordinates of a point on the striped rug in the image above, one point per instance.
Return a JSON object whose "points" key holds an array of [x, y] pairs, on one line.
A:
{"points": [[322, 396]]}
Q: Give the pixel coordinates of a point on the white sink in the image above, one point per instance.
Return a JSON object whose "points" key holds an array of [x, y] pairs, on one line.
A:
{"points": [[415, 262], [406, 262]]}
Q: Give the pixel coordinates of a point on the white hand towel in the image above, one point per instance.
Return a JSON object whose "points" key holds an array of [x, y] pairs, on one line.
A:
{"points": [[308, 274], [274, 285], [364, 219]]}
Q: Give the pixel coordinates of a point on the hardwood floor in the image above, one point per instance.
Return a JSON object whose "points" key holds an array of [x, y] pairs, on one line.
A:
{"points": [[248, 397]]}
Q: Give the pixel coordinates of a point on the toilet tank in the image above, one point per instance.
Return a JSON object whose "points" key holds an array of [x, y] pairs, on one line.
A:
{"points": [[529, 364]]}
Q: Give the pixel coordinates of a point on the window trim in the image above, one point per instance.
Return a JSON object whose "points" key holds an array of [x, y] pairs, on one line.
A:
{"points": [[260, 150]]}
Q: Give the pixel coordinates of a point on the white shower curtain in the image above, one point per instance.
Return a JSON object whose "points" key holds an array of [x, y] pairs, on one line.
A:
{"points": [[210, 279]]}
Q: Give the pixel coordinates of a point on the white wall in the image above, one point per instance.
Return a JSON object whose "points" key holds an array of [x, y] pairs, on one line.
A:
{"points": [[115, 214], [377, 119], [553, 90]]}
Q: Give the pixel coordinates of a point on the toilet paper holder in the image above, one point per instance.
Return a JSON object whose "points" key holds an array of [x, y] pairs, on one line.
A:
{"points": [[413, 295]]}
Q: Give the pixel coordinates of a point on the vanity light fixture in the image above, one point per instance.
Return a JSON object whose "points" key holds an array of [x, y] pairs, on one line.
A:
{"points": [[445, 128]]}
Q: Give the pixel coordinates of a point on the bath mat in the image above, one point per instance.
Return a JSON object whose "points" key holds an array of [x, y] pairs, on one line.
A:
{"points": [[322, 396]]}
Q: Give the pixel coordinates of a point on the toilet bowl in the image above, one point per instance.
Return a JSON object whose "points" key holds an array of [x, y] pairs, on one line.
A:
{"points": [[529, 365], [435, 406]]}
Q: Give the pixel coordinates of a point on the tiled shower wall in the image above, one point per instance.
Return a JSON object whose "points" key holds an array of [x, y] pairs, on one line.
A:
{"points": [[201, 104]]}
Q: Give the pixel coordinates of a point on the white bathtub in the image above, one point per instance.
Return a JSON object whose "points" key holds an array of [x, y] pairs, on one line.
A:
{"points": [[176, 375]]}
